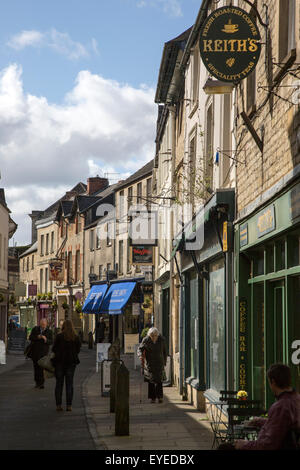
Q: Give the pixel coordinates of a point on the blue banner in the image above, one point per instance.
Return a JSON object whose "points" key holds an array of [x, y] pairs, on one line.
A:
{"points": [[95, 298], [117, 297]]}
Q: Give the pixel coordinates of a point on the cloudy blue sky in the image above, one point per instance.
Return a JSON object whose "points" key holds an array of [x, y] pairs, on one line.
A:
{"points": [[77, 84]]}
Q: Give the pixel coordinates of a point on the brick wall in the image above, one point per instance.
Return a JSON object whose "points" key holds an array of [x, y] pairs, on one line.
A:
{"points": [[280, 120]]}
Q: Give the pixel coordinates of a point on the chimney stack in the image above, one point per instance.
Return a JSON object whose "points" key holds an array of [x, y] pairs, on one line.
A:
{"points": [[35, 215], [96, 184]]}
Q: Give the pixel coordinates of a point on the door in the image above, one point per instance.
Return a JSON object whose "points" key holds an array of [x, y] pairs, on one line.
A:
{"points": [[279, 324], [276, 328], [166, 315]]}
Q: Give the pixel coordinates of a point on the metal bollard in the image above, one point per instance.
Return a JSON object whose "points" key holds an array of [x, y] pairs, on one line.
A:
{"points": [[91, 340], [113, 376], [122, 402]]}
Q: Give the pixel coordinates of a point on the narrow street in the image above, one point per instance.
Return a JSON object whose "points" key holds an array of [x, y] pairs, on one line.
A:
{"points": [[29, 419]]}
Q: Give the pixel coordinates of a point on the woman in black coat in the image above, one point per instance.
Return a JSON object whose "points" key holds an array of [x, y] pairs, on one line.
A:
{"points": [[153, 354], [66, 348], [41, 337]]}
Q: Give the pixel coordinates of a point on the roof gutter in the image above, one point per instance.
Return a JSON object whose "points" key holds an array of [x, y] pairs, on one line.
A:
{"points": [[194, 33], [183, 57]]}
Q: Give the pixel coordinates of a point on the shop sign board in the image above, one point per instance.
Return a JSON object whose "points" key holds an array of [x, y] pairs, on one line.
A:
{"points": [[266, 221], [32, 290], [17, 341], [56, 271], [295, 202], [243, 344], [230, 44], [136, 309], [20, 289], [102, 353], [130, 341], [142, 254], [243, 235], [63, 292], [105, 377], [143, 227], [225, 237]]}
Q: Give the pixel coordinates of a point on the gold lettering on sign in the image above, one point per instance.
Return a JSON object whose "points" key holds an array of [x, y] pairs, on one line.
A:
{"points": [[231, 45], [265, 221]]}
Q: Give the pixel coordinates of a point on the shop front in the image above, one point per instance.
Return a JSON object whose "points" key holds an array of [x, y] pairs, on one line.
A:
{"points": [[3, 314], [206, 354], [45, 310], [28, 317], [267, 274], [120, 302]]}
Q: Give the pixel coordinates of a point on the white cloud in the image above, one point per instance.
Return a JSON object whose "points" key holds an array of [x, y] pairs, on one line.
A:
{"points": [[170, 7], [25, 39], [62, 43], [45, 148]]}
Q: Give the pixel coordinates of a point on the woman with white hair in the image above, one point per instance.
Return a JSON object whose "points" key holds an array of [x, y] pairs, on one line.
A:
{"points": [[153, 353]]}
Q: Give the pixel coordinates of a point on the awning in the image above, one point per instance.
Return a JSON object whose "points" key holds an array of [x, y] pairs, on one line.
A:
{"points": [[95, 298], [117, 297], [195, 228]]}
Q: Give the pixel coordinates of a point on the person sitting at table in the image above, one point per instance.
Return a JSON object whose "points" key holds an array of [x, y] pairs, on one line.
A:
{"points": [[282, 427]]}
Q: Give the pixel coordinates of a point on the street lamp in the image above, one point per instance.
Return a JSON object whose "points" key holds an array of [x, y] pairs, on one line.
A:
{"points": [[216, 87]]}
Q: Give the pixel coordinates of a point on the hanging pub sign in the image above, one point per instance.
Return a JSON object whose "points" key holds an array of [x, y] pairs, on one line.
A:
{"points": [[142, 254], [56, 271], [230, 44]]}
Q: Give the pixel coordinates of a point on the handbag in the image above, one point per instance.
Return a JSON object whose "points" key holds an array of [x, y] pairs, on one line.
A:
{"points": [[45, 362], [28, 351]]}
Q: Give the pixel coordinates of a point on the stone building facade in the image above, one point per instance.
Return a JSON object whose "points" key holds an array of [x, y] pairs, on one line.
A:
{"points": [[7, 229], [267, 235]]}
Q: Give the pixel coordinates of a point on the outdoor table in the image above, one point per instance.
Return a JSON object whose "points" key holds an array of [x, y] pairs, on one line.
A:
{"points": [[225, 428]]}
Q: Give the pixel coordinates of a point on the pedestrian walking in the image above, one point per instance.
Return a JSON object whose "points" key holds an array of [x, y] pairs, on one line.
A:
{"points": [[281, 430], [100, 331], [66, 348], [41, 338], [153, 354]]}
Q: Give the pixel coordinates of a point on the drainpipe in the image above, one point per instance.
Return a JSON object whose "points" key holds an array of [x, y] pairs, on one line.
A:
{"points": [[172, 110], [83, 260]]}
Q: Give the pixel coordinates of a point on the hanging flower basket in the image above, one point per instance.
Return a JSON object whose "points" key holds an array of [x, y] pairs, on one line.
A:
{"points": [[242, 395], [78, 307], [65, 306]]}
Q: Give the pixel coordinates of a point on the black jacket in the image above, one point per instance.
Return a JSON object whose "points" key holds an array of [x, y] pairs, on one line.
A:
{"points": [[100, 331], [39, 347], [155, 358], [66, 352]]}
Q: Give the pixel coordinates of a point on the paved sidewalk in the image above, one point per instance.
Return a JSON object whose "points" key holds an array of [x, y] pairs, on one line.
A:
{"points": [[172, 425], [13, 361], [29, 420]]}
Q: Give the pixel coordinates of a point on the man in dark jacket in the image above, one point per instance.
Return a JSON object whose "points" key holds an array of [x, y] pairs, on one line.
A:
{"points": [[100, 330], [41, 338], [281, 429]]}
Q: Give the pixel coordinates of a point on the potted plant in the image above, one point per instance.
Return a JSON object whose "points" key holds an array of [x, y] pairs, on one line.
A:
{"points": [[78, 307], [65, 306], [54, 305], [50, 295], [39, 296]]}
